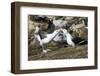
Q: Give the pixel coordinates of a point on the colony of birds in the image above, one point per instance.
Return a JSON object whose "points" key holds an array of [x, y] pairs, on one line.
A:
{"points": [[56, 30]]}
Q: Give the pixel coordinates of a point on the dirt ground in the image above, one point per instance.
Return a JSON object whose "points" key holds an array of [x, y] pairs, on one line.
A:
{"points": [[77, 52]]}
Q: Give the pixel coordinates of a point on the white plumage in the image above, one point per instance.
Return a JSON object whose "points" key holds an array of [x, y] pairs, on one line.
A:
{"points": [[60, 24], [48, 37], [52, 36], [68, 37], [46, 40]]}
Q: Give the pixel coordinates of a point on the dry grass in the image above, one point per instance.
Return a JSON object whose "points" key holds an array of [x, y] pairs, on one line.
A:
{"points": [[80, 51]]}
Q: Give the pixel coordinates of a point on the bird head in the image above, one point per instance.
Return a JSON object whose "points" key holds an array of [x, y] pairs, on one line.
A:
{"points": [[37, 28]]}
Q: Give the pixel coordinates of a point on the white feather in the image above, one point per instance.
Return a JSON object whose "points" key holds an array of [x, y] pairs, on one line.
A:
{"points": [[68, 37], [50, 37]]}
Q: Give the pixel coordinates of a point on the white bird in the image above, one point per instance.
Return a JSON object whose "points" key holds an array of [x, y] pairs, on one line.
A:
{"points": [[45, 40], [59, 23], [68, 37], [55, 35]]}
